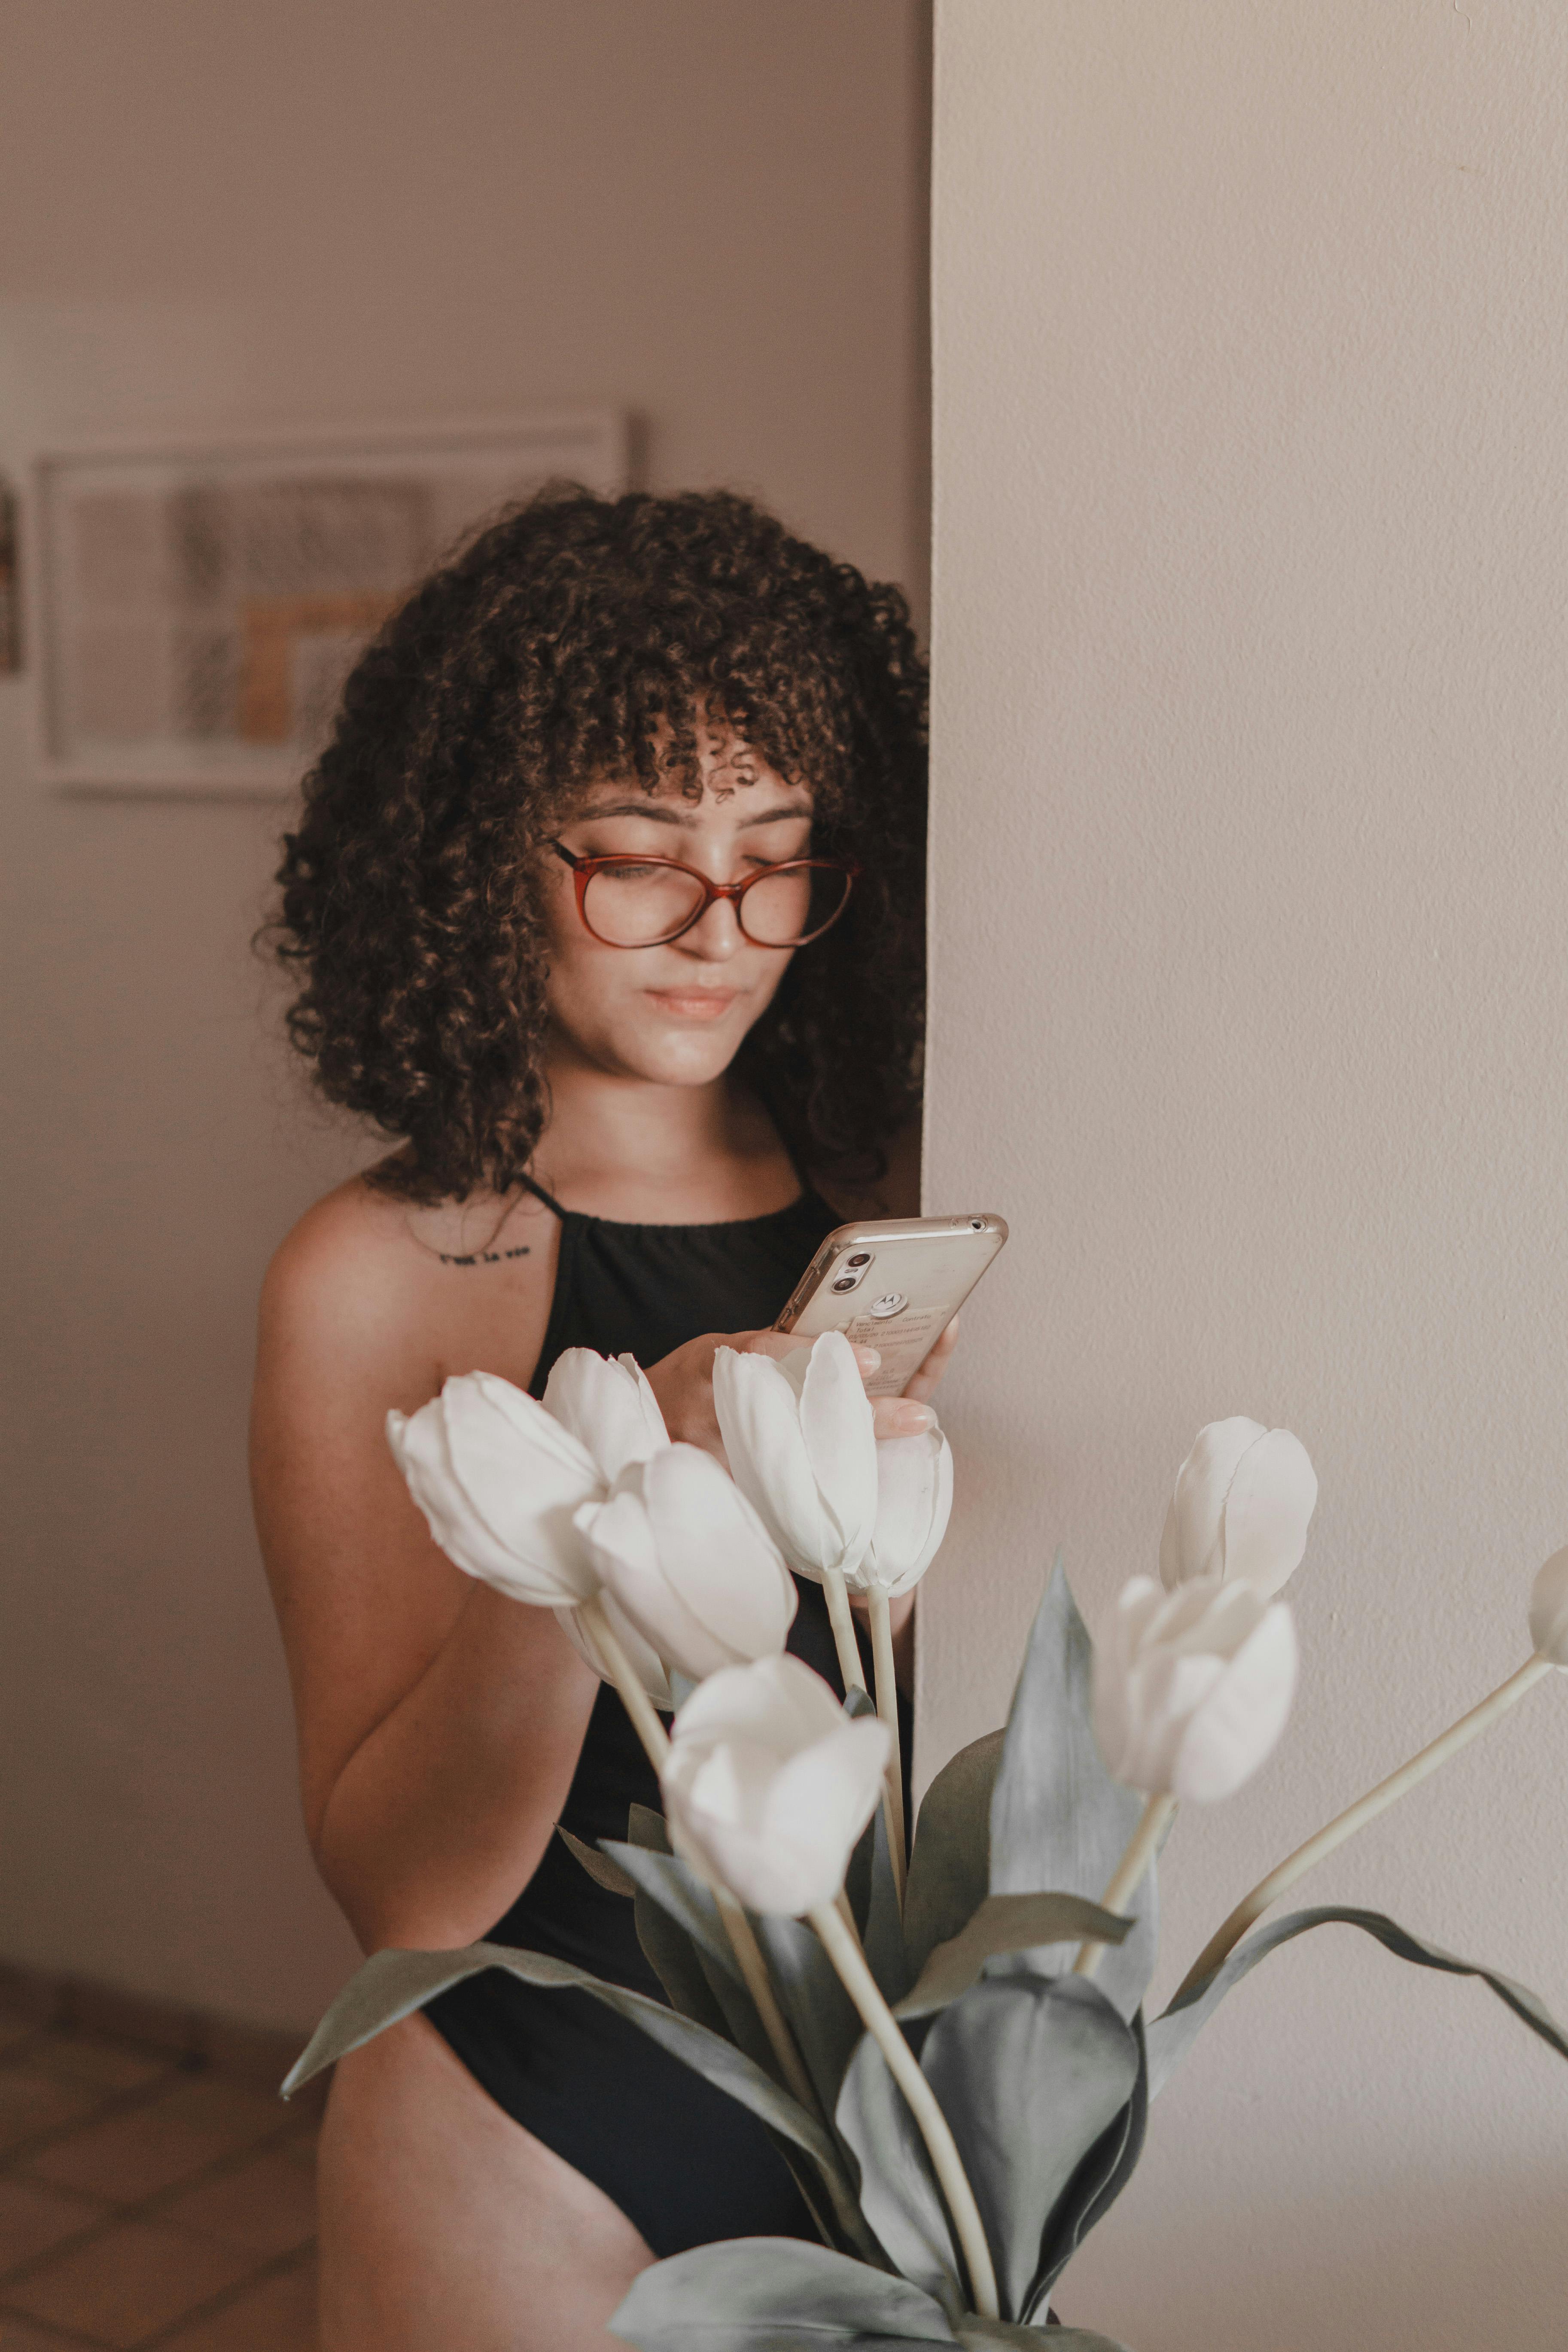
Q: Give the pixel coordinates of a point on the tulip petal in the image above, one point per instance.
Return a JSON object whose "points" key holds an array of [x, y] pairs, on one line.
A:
{"points": [[1240, 1719], [841, 1435], [526, 1476], [419, 1448], [759, 1421], [1272, 1497], [644, 1661], [720, 1555], [914, 1503], [607, 1406], [1198, 1504], [1549, 1610]]}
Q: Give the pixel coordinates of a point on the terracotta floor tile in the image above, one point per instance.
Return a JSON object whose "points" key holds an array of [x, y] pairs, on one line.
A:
{"points": [[165, 2140], [279, 2315], [97, 2064], [134, 2280], [32, 2220], [268, 2206], [31, 2103]]}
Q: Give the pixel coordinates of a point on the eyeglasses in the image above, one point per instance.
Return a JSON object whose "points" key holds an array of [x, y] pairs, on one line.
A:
{"points": [[645, 902]]}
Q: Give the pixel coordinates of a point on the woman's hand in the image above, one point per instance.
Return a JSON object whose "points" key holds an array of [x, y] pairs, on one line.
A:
{"points": [[683, 1384]]}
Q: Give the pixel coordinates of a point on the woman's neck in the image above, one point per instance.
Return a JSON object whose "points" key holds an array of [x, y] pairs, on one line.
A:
{"points": [[631, 1148]]}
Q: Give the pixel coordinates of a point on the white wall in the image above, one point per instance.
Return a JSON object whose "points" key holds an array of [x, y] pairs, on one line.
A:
{"points": [[1251, 1014], [708, 212]]}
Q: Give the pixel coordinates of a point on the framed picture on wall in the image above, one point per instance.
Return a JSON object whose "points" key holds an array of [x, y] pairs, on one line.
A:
{"points": [[199, 606]]}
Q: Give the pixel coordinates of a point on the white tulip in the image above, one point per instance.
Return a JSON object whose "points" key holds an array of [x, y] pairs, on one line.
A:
{"points": [[606, 1404], [914, 1502], [646, 1664], [1549, 1611], [690, 1563], [1243, 1498], [769, 1784], [499, 1479], [1192, 1691], [802, 1448]]}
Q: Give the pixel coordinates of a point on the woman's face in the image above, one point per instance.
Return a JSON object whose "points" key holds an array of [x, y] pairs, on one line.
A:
{"points": [[674, 1015]]}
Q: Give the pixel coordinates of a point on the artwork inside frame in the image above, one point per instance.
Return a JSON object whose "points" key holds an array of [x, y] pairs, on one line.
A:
{"points": [[200, 605]]}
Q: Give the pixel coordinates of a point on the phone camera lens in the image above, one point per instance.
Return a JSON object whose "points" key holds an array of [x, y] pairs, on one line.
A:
{"points": [[861, 1257], [846, 1282]]}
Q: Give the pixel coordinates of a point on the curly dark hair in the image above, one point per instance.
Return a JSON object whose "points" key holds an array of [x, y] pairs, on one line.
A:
{"points": [[580, 636]]}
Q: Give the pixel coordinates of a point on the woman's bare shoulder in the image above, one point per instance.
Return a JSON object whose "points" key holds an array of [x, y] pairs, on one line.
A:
{"points": [[368, 1277]]}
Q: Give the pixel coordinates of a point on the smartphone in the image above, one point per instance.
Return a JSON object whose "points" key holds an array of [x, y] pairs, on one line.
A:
{"points": [[893, 1284]]}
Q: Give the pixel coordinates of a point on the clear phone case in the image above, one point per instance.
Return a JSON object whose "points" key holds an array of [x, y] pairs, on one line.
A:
{"points": [[894, 1284]]}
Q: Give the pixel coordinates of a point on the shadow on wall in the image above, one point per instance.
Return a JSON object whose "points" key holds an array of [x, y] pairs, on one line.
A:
{"points": [[1366, 2248]]}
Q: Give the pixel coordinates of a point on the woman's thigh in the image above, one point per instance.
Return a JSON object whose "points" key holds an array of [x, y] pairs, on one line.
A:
{"points": [[444, 2227]]}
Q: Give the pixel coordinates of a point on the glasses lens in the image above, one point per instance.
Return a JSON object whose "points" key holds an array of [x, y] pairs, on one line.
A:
{"points": [[630, 905], [781, 910]]}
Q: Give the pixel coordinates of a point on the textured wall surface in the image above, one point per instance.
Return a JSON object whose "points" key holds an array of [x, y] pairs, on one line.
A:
{"points": [[319, 213], [1251, 1014]]}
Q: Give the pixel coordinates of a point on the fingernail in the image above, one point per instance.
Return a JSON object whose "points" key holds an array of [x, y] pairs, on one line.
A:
{"points": [[867, 1358], [913, 1420]]}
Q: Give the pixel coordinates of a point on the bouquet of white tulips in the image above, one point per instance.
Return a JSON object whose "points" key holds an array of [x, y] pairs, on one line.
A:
{"points": [[955, 2064]]}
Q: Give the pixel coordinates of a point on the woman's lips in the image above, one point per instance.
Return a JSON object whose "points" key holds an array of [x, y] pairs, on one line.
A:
{"points": [[694, 1003]]}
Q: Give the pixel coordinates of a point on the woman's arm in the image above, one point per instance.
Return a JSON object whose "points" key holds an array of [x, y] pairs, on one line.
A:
{"points": [[439, 1722]]}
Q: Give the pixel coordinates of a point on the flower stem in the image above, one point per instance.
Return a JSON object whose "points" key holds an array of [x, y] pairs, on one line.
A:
{"points": [[737, 1926], [1387, 1792], [884, 2028], [888, 1708], [843, 1624], [1128, 1875]]}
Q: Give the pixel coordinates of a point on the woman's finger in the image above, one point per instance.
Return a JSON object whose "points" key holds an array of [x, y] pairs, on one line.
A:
{"points": [[785, 1343], [900, 1417]]}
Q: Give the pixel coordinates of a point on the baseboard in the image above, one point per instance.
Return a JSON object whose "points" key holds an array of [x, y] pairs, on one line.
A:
{"points": [[252, 2054]]}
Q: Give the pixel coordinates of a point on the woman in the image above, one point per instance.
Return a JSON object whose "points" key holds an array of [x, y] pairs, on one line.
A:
{"points": [[631, 1097]]}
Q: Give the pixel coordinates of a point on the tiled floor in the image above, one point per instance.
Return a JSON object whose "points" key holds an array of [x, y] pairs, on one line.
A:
{"points": [[145, 2202]]}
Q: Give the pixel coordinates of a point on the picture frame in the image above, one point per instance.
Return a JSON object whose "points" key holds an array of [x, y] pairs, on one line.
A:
{"points": [[198, 602]]}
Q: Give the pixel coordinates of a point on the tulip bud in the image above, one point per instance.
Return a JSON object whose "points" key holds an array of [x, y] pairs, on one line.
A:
{"points": [[1243, 1498], [914, 1502], [646, 1664], [690, 1563], [498, 1480], [608, 1407], [1193, 1689], [769, 1784], [802, 1448], [1549, 1610]]}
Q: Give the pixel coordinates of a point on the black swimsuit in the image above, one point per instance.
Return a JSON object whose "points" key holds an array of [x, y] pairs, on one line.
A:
{"points": [[685, 2163]]}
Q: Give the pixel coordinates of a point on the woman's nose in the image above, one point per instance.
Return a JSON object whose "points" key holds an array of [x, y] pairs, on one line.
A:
{"points": [[716, 936]]}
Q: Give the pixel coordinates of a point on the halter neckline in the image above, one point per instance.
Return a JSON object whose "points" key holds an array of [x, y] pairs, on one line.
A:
{"points": [[807, 1197]]}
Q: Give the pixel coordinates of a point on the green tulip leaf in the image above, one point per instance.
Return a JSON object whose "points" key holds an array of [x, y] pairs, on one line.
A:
{"points": [[949, 1869], [647, 1828], [899, 2195], [599, 1867], [392, 1985], [1006, 1923], [1030, 2073], [675, 1889], [824, 2019], [1058, 1818], [1094, 2187], [1171, 2036], [774, 2295]]}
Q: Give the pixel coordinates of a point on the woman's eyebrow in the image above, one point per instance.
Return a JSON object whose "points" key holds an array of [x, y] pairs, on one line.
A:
{"points": [[658, 814]]}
